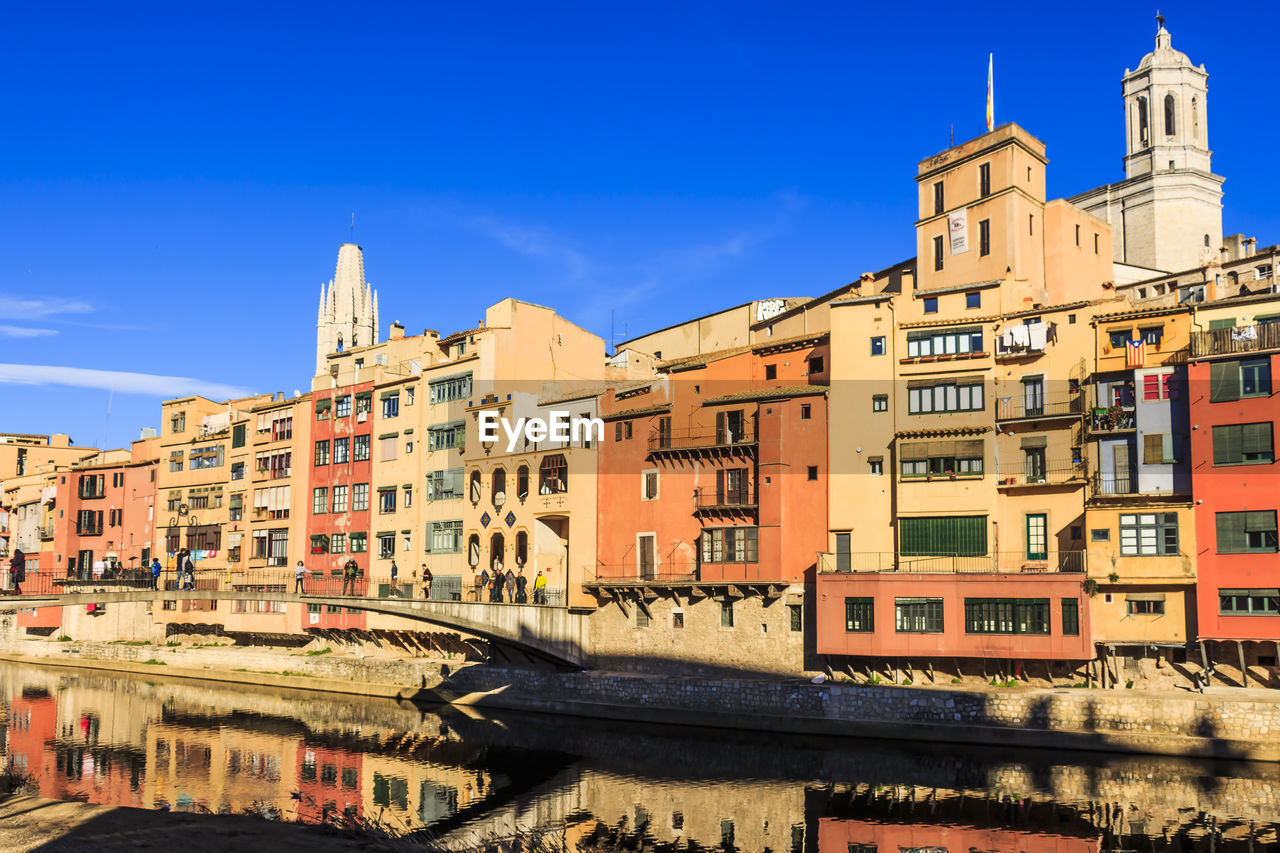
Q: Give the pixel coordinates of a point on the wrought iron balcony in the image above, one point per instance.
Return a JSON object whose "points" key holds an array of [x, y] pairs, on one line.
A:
{"points": [[1053, 472], [729, 500], [1002, 562], [702, 440], [1025, 407]]}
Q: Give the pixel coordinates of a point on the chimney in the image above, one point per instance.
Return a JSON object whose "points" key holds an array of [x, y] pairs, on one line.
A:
{"points": [[397, 331]]}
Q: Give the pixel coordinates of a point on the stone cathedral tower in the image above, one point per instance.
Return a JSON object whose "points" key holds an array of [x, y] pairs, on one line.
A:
{"points": [[1167, 212], [348, 315]]}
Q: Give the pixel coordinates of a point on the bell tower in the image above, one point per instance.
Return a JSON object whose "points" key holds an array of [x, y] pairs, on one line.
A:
{"points": [[348, 315], [1166, 110]]}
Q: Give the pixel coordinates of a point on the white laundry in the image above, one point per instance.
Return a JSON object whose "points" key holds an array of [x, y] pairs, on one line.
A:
{"points": [[1039, 334], [1020, 336]]}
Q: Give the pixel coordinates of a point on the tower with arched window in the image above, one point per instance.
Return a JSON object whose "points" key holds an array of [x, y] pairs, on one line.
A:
{"points": [[1167, 213], [348, 314]]}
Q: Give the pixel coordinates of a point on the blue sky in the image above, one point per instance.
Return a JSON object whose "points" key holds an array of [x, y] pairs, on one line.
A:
{"points": [[176, 179]]}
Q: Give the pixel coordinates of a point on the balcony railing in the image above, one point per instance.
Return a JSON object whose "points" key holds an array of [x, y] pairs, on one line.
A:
{"points": [[1114, 484], [728, 499], [1024, 407], [1238, 339], [695, 439], [1054, 472], [1022, 341], [1115, 419], [1003, 562], [633, 572], [45, 532]]}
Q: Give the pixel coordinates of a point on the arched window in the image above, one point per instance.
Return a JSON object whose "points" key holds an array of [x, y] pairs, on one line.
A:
{"points": [[522, 548], [522, 482], [475, 487], [497, 552], [1195, 118], [1206, 241], [552, 475], [1170, 119], [499, 487], [339, 342], [473, 550], [1144, 135]]}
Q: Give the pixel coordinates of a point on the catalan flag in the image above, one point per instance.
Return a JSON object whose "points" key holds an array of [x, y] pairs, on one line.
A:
{"points": [[1135, 353], [991, 94]]}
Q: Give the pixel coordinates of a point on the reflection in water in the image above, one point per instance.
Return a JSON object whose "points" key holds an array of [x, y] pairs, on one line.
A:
{"points": [[195, 747]]}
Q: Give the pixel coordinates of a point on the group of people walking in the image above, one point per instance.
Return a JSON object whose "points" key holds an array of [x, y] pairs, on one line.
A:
{"points": [[510, 586], [351, 573]]}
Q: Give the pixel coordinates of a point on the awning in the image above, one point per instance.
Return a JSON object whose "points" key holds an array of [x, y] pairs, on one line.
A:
{"points": [[323, 405], [364, 395], [387, 395], [1144, 596], [1035, 441]]}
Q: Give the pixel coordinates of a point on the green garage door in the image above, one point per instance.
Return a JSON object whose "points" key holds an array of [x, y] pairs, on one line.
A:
{"points": [[948, 535]]}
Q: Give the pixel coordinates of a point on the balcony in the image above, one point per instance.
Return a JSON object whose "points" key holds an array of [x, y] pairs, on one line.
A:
{"points": [[1022, 342], [1116, 420], [630, 574], [45, 531], [1236, 340], [1026, 407], [728, 502], [704, 441], [1114, 484], [1054, 472], [1002, 562]]}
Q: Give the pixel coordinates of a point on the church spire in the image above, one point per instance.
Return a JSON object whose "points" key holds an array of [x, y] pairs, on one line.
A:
{"points": [[348, 308]]}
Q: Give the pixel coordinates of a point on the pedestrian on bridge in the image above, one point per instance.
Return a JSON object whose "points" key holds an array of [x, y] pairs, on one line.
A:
{"points": [[522, 597], [17, 570], [155, 573], [349, 570], [395, 572], [299, 574], [482, 583], [540, 588], [426, 581]]}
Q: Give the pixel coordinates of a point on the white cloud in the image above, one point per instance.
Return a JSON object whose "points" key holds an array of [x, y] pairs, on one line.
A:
{"points": [[535, 242], [21, 308], [24, 332], [147, 384]]}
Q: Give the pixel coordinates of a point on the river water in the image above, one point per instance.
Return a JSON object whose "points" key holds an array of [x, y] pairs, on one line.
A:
{"points": [[187, 745]]}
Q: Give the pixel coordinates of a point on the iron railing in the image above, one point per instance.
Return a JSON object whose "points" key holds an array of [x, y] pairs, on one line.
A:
{"points": [[1040, 406], [729, 498], [1054, 472], [1011, 562], [1238, 339], [693, 439], [1114, 484], [1114, 419]]}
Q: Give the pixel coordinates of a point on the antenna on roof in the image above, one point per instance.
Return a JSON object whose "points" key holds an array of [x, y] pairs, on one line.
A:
{"points": [[353, 227]]}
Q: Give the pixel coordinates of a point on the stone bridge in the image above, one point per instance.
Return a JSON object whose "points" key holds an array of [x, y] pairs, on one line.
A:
{"points": [[541, 631]]}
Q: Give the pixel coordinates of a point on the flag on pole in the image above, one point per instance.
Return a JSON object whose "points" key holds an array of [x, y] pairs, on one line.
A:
{"points": [[1135, 354], [991, 95]]}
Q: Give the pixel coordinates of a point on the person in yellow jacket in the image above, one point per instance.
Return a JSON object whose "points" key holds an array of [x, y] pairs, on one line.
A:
{"points": [[540, 588]]}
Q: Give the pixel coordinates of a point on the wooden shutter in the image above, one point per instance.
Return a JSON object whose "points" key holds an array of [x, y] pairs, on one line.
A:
{"points": [[1226, 444], [1230, 532], [1224, 381], [1254, 438], [915, 450], [720, 486], [1153, 449], [720, 431], [646, 557], [969, 449], [1254, 521]]}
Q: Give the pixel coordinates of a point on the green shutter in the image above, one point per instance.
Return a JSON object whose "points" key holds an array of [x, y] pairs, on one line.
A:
{"points": [[1230, 532], [1260, 520], [1224, 381], [1255, 438], [1226, 444], [948, 535], [1225, 323]]}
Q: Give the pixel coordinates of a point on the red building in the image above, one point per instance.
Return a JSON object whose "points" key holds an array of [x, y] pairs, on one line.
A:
{"points": [[105, 513], [328, 783], [340, 464], [1236, 485], [717, 473]]}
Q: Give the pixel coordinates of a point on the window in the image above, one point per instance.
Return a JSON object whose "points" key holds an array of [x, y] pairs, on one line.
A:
{"points": [[360, 497], [1243, 444], [237, 470], [1249, 602], [677, 622], [859, 615], [209, 456], [942, 459], [178, 422], [319, 500], [359, 542], [444, 537], [360, 448], [964, 536], [386, 546], [1252, 532], [238, 435], [726, 614], [937, 253], [1170, 116], [649, 487], [812, 472], [319, 543], [89, 522], [1231, 380], [973, 299], [364, 401], [1077, 235], [1037, 526], [642, 619], [175, 460], [390, 404], [939, 201], [387, 500], [342, 406], [815, 364], [1031, 224], [1158, 449], [729, 545], [92, 486], [444, 485], [918, 615], [1158, 386], [1070, 617], [409, 394], [115, 518], [945, 397], [875, 465], [1095, 244], [553, 475], [879, 402], [322, 452], [1006, 616], [323, 407], [806, 411], [450, 388], [341, 450], [339, 498], [387, 447], [1149, 534], [447, 436], [796, 614], [1119, 337], [877, 345], [1144, 606], [944, 342], [931, 305], [1143, 123], [984, 180], [984, 239], [771, 371], [1152, 335]]}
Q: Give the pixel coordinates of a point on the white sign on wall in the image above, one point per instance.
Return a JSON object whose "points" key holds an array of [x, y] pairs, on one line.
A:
{"points": [[958, 225], [767, 308]]}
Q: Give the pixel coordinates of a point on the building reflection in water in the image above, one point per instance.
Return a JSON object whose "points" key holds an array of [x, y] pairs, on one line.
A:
{"points": [[187, 746]]}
